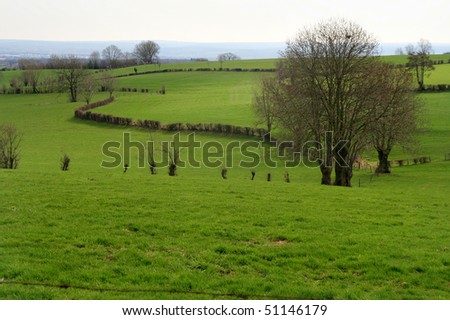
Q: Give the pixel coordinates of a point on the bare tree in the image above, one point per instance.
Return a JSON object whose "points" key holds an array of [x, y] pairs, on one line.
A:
{"points": [[173, 153], [10, 139], [26, 63], [53, 62], [14, 85], [70, 72], [128, 59], [396, 112], [263, 102], [112, 56], [146, 52], [108, 83], [94, 60], [399, 52], [301, 118], [88, 87], [326, 68], [227, 57], [419, 60], [64, 162], [31, 77]]}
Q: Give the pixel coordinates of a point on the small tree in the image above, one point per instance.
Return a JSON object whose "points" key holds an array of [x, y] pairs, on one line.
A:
{"points": [[88, 87], [108, 83], [64, 162], [173, 153], [14, 85], [263, 102], [10, 139], [31, 77], [151, 156], [227, 57], [94, 60], [419, 60]]}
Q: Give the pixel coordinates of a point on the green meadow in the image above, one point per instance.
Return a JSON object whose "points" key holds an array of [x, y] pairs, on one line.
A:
{"points": [[97, 233], [190, 97]]}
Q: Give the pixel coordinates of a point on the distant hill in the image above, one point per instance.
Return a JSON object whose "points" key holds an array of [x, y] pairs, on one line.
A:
{"points": [[169, 49]]}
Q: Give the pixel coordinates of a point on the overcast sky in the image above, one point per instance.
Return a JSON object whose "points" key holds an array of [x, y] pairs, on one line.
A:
{"points": [[218, 20]]}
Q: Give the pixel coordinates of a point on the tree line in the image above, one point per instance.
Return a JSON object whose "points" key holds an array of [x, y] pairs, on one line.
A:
{"points": [[72, 73], [145, 52]]}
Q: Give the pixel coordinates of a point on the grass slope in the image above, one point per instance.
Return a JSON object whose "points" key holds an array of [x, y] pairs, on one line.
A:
{"points": [[222, 97], [98, 228]]}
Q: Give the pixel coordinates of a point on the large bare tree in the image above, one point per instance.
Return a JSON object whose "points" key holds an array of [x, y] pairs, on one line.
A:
{"points": [[146, 52], [326, 66], [332, 91]]}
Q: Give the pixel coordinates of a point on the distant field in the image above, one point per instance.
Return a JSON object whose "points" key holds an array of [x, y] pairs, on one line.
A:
{"points": [[244, 64], [6, 76], [223, 97]]}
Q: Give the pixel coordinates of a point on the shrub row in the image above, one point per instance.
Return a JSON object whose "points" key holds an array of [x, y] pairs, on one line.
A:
{"points": [[94, 105], [84, 113], [437, 87], [215, 127], [198, 69], [106, 118], [148, 124], [407, 162], [162, 91]]}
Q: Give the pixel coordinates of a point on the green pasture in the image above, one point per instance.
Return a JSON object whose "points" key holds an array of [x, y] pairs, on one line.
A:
{"points": [[141, 236], [233, 64], [440, 75], [219, 97]]}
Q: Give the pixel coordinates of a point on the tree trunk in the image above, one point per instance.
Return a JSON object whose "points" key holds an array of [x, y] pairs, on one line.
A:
{"points": [[343, 168], [326, 174], [344, 175], [383, 162]]}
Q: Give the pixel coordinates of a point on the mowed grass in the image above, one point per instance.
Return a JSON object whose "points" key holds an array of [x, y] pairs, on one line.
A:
{"points": [[161, 237]]}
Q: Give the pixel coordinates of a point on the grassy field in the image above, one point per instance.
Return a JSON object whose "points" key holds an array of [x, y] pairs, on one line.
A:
{"points": [[243, 64], [196, 235], [439, 75], [218, 97], [223, 97]]}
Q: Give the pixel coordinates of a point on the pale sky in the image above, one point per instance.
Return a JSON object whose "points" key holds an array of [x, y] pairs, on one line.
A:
{"points": [[218, 20]]}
